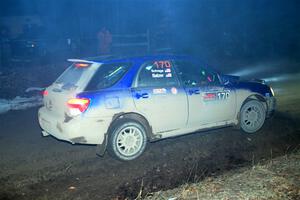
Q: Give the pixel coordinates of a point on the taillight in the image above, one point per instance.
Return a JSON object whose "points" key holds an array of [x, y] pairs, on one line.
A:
{"points": [[78, 105], [82, 65], [45, 93]]}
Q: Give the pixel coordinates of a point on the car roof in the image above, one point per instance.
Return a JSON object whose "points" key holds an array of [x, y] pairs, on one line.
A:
{"points": [[114, 58]]}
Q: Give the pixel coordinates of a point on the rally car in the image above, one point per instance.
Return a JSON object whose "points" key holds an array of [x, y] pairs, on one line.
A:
{"points": [[119, 104]]}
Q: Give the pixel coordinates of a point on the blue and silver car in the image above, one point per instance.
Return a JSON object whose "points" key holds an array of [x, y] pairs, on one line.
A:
{"points": [[119, 104]]}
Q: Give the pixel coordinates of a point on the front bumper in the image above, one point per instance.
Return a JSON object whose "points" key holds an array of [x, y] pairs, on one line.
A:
{"points": [[83, 130], [271, 103]]}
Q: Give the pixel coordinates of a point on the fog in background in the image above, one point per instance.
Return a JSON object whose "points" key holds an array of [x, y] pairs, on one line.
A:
{"points": [[213, 30]]}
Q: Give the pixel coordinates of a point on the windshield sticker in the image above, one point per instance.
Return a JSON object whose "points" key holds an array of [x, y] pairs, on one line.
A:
{"points": [[160, 69], [159, 91], [149, 67], [162, 64], [157, 70], [168, 70], [157, 75], [169, 75], [174, 90]]}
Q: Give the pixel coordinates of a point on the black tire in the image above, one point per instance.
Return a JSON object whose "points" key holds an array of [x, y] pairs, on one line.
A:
{"points": [[252, 116], [127, 139]]}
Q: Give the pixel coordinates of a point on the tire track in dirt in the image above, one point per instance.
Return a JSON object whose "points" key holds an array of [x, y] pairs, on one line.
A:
{"points": [[50, 169]]}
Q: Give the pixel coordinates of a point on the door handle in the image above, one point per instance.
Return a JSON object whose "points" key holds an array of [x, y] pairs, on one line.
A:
{"points": [[195, 91], [142, 95]]}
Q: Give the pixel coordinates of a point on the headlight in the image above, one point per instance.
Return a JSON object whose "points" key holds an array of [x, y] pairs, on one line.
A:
{"points": [[272, 91]]}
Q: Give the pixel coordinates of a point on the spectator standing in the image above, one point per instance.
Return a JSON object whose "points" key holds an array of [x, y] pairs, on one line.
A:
{"points": [[104, 41]]}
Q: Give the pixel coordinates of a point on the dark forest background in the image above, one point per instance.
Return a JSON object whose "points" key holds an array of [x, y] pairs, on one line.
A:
{"points": [[207, 28]]}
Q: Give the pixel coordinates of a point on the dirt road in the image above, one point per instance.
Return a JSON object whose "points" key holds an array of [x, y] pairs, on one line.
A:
{"points": [[33, 167]]}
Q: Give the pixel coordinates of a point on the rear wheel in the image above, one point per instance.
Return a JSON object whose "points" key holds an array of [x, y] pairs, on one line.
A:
{"points": [[252, 116], [127, 140]]}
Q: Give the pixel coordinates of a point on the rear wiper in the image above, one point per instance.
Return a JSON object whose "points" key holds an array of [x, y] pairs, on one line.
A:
{"points": [[69, 86]]}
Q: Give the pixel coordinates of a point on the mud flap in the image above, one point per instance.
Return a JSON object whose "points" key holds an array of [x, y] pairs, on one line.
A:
{"points": [[101, 148], [238, 125], [45, 134]]}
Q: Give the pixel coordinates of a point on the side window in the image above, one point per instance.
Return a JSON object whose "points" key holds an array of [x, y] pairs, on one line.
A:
{"points": [[157, 74], [193, 75], [107, 75]]}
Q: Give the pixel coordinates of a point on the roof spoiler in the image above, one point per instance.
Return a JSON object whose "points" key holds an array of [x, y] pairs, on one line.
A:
{"points": [[82, 61]]}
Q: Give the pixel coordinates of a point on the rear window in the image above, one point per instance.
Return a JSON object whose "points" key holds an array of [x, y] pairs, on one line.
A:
{"points": [[71, 76], [107, 75]]}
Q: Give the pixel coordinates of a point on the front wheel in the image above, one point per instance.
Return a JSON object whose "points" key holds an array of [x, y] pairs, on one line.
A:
{"points": [[127, 140], [252, 116]]}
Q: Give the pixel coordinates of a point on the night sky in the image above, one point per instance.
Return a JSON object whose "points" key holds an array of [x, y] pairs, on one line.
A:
{"points": [[257, 28]]}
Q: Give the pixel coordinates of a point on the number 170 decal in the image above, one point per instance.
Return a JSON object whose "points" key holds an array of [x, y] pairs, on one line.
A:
{"points": [[213, 96], [162, 64], [222, 95]]}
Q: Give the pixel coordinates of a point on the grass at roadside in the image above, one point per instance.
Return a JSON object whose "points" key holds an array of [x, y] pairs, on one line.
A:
{"points": [[277, 178]]}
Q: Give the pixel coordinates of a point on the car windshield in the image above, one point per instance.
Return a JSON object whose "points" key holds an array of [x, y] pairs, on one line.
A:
{"points": [[107, 75], [71, 76]]}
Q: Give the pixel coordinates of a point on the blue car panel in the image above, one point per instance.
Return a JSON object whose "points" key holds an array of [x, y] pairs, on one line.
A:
{"points": [[121, 103]]}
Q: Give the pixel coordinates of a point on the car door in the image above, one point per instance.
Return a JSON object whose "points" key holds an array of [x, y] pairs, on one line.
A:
{"points": [[208, 100], [159, 97]]}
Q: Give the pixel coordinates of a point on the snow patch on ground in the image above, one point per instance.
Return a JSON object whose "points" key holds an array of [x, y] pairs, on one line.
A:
{"points": [[21, 103]]}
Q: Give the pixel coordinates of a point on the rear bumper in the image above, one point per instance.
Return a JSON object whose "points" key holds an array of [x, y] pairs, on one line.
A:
{"points": [[80, 129]]}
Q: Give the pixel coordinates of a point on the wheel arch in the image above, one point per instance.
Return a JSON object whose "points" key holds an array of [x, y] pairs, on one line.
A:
{"points": [[258, 97], [100, 150], [135, 117], [257, 121]]}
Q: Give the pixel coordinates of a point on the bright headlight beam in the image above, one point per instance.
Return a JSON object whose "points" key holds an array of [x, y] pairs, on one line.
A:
{"points": [[272, 91]]}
